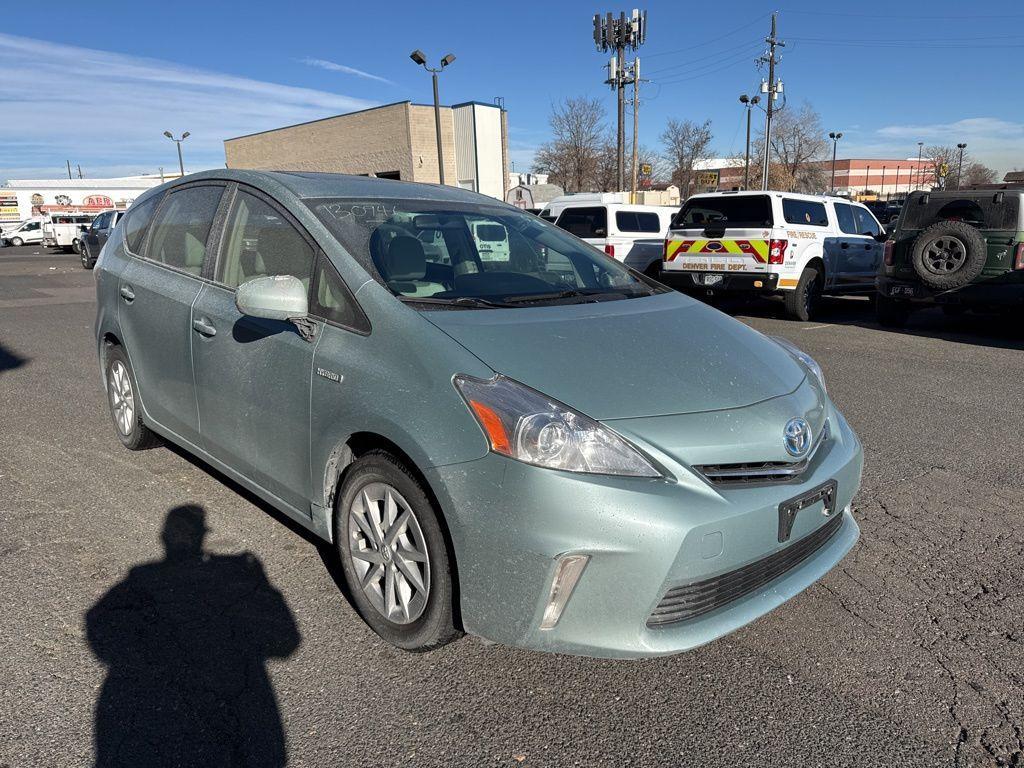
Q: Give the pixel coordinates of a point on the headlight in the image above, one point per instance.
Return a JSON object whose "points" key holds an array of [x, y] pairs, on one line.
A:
{"points": [[523, 424], [803, 357]]}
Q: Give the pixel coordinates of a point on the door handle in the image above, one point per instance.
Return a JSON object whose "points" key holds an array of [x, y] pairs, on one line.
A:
{"points": [[127, 293], [204, 327], [844, 245]]}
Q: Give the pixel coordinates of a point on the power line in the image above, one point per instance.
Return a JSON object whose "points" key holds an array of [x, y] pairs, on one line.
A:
{"points": [[730, 33], [717, 67], [725, 52], [914, 17]]}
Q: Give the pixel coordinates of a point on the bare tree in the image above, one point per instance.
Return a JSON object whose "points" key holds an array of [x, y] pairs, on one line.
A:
{"points": [[978, 173], [943, 160], [572, 156], [686, 144], [799, 149]]}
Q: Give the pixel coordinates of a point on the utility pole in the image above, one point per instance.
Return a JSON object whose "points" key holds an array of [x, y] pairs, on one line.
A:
{"points": [[636, 124], [69, 168], [960, 164], [79, 170], [772, 89], [618, 35], [920, 148]]}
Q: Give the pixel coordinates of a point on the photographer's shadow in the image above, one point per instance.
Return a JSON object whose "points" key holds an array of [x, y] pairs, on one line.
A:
{"points": [[186, 640]]}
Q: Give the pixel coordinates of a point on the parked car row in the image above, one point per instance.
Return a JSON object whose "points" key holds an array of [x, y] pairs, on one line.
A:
{"points": [[958, 249]]}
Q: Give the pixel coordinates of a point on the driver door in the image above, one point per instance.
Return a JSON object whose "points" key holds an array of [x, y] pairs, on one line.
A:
{"points": [[252, 374]]}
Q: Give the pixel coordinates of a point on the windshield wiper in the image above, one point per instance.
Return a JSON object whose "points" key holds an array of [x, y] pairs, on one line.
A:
{"points": [[571, 293], [460, 301]]}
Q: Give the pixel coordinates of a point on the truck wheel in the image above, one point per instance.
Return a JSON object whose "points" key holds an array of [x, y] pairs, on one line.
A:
{"points": [[802, 301], [891, 313], [17, 241], [948, 254]]}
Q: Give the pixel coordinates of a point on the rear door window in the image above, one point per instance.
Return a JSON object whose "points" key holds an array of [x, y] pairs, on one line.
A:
{"points": [[742, 211], [637, 221], [847, 221], [585, 222], [137, 223], [805, 212], [182, 227]]}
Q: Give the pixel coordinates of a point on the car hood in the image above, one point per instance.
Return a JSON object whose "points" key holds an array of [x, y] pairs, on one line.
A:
{"points": [[652, 356]]}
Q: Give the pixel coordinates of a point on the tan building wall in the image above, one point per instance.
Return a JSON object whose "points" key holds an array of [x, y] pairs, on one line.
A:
{"points": [[423, 143]]}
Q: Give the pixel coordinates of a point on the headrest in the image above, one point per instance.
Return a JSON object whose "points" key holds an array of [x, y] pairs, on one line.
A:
{"points": [[405, 259]]}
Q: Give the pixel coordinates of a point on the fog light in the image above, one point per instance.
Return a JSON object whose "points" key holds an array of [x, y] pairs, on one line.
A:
{"points": [[567, 573]]}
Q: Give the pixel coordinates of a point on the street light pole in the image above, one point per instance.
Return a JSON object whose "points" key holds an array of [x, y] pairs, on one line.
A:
{"points": [[748, 102], [960, 164], [185, 135], [920, 149], [835, 142], [420, 58]]}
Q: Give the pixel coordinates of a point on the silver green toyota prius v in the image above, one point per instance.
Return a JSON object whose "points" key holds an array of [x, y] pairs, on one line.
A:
{"points": [[502, 430]]}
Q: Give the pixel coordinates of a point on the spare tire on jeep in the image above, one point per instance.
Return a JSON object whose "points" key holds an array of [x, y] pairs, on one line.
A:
{"points": [[948, 254]]}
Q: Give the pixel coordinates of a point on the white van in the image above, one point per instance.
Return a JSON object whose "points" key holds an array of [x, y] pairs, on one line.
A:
{"points": [[608, 222], [799, 246], [28, 233]]}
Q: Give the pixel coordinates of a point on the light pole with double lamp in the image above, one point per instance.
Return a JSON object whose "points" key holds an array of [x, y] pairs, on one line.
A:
{"points": [[835, 141], [748, 102], [960, 163], [420, 58], [185, 135]]}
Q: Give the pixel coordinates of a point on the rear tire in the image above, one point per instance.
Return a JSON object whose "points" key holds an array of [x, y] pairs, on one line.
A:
{"points": [[890, 313], [398, 609], [802, 301], [123, 398]]}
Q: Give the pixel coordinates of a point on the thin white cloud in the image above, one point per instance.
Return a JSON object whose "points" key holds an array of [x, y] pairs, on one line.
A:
{"points": [[996, 142], [109, 110], [332, 66]]}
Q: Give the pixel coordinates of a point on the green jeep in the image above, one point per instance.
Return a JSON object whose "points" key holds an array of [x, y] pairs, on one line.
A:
{"points": [[958, 249]]}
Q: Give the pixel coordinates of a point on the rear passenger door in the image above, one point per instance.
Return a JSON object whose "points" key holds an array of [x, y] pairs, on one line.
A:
{"points": [[155, 294], [252, 374]]}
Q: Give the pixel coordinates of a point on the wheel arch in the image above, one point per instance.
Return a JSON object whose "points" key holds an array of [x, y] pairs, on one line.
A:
{"points": [[358, 444]]}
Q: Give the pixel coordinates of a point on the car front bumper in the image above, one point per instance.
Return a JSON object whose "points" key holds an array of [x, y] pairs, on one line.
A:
{"points": [[510, 522], [725, 282]]}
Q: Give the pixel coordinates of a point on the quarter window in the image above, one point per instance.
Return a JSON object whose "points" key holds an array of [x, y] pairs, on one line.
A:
{"points": [[805, 212], [637, 221], [139, 218], [866, 224], [259, 241], [332, 300], [182, 227], [847, 222]]}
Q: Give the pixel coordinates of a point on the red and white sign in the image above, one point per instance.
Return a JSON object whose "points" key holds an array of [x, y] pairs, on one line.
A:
{"points": [[98, 201]]}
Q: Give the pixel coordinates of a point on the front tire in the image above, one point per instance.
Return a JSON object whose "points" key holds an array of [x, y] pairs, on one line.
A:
{"points": [[123, 398], [394, 555], [17, 242], [802, 301], [87, 261]]}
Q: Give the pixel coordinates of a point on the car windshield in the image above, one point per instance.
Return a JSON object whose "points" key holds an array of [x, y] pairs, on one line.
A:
{"points": [[742, 211], [473, 255]]}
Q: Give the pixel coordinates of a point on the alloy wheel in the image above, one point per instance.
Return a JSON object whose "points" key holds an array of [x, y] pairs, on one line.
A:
{"points": [[945, 254], [122, 399], [389, 553]]}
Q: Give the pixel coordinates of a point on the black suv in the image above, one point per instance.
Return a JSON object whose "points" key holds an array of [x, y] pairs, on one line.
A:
{"points": [[957, 249]]}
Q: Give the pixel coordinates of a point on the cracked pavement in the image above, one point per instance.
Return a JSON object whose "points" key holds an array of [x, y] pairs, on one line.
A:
{"points": [[910, 652]]}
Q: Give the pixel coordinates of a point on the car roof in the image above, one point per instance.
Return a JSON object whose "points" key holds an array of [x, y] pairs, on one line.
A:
{"points": [[305, 184], [777, 193]]}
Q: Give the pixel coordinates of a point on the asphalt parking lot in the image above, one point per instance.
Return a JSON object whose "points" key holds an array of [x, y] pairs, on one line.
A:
{"points": [[911, 652]]}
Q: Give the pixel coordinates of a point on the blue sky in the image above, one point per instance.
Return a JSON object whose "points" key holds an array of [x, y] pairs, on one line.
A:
{"points": [[101, 84]]}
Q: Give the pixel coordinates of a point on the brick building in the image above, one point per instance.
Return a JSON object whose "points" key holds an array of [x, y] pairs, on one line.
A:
{"points": [[395, 141], [855, 177]]}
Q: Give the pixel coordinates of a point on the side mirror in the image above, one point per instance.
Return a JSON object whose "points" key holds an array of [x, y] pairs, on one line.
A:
{"points": [[883, 235], [279, 297]]}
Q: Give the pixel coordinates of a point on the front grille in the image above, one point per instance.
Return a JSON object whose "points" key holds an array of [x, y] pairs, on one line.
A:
{"points": [[691, 600], [763, 471]]}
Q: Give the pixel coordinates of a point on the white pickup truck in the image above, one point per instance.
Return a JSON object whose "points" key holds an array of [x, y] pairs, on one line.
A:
{"points": [[608, 222], [783, 243], [64, 230]]}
